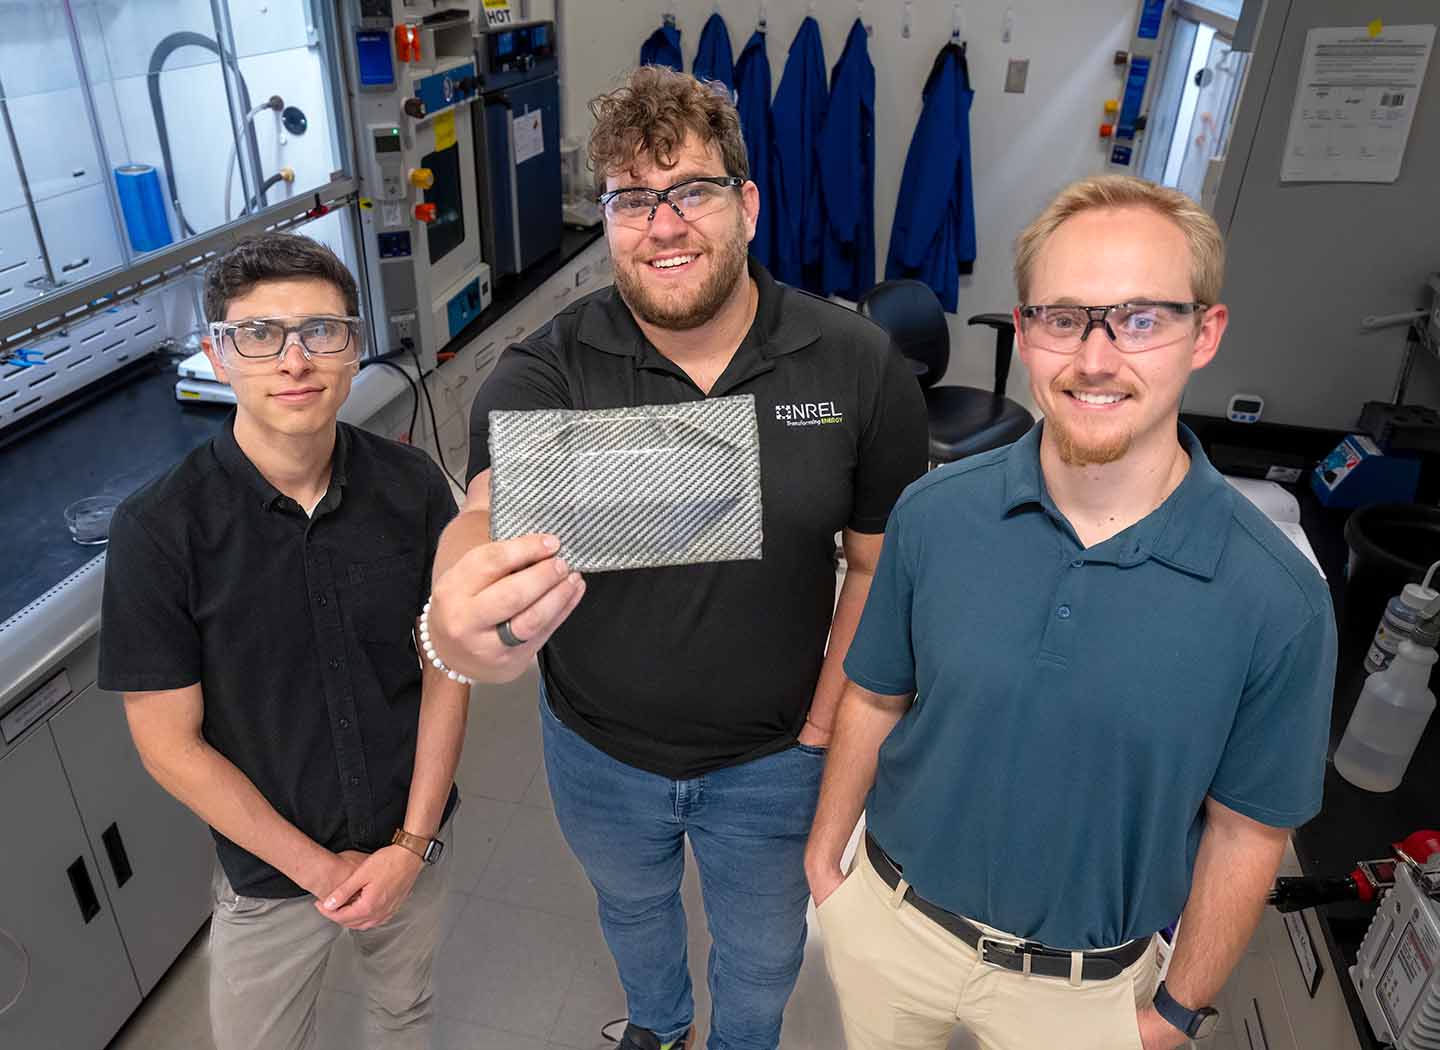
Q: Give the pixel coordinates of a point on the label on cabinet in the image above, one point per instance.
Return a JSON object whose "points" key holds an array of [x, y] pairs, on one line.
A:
{"points": [[1305, 954], [35, 706]]}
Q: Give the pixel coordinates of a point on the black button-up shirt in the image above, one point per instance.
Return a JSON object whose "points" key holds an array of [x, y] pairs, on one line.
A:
{"points": [[691, 668], [297, 627]]}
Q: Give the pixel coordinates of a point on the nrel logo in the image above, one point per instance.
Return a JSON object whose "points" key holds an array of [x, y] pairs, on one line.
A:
{"points": [[809, 414]]}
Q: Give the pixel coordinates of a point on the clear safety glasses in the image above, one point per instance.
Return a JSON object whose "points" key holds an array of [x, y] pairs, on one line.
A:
{"points": [[322, 338], [635, 206], [1133, 327]]}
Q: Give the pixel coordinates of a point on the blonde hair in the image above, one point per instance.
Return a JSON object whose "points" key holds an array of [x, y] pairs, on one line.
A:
{"points": [[1207, 246]]}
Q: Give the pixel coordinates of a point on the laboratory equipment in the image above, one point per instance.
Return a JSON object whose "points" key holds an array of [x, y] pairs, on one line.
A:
{"points": [[88, 519], [143, 206], [1245, 408], [577, 185], [1357, 472], [1388, 720], [517, 131], [414, 84], [1397, 970], [1411, 614], [113, 175], [1366, 883]]}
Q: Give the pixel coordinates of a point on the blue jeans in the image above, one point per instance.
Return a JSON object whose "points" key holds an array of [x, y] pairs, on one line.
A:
{"points": [[747, 825]]}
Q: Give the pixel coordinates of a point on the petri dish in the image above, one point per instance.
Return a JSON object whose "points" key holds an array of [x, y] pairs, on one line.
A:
{"points": [[89, 519]]}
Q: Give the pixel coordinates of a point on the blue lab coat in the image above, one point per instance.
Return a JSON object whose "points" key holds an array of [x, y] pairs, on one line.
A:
{"points": [[662, 48], [714, 60], [847, 172], [799, 115], [752, 89], [933, 239]]}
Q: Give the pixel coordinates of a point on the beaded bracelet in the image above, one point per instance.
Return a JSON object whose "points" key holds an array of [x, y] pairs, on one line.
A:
{"points": [[431, 655]]}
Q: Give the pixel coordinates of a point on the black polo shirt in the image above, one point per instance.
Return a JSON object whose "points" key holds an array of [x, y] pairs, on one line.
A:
{"points": [[688, 669], [297, 628]]}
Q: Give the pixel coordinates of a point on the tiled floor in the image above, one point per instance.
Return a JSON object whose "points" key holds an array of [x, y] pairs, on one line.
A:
{"points": [[523, 966]]}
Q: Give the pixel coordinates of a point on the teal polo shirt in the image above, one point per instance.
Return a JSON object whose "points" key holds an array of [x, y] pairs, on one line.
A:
{"points": [[1074, 706]]}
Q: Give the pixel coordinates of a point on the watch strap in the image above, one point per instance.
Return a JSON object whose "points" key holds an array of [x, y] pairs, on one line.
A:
{"points": [[1194, 1023], [426, 849]]}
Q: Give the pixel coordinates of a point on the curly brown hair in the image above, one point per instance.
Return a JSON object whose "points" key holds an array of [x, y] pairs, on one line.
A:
{"points": [[652, 112]]}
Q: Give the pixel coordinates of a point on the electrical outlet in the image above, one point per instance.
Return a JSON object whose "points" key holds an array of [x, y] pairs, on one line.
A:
{"points": [[1016, 74]]}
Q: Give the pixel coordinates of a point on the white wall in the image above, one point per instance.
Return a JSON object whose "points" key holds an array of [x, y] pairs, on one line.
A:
{"points": [[1025, 147]]}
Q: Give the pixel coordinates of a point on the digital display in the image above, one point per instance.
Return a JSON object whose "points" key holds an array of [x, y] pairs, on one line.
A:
{"points": [[541, 36], [387, 142], [505, 44], [1247, 406]]}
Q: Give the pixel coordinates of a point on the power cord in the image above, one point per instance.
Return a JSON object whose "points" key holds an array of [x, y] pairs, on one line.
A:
{"points": [[407, 345], [414, 394]]}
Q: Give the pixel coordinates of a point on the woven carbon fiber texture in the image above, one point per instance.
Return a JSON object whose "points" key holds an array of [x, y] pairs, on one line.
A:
{"points": [[631, 488]]}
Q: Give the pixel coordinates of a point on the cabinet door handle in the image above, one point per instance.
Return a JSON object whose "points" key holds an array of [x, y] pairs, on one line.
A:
{"points": [[84, 889], [24, 970], [115, 850], [1257, 1039]]}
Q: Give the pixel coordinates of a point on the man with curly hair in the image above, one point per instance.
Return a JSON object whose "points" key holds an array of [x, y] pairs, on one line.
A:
{"points": [[691, 702]]}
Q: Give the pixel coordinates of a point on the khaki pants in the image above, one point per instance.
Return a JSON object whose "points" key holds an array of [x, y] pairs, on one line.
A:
{"points": [[905, 983], [268, 957]]}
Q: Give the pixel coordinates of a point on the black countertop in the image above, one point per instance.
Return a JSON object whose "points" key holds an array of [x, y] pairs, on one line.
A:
{"points": [[112, 445], [131, 429]]}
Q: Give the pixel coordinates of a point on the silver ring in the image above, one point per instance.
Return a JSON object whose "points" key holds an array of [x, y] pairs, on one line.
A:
{"points": [[507, 636]]}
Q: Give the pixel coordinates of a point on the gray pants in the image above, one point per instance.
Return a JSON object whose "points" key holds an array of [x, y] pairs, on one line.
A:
{"points": [[268, 957]]}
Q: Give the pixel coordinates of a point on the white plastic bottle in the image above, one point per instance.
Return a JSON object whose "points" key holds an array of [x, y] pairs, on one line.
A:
{"points": [[1389, 718], [1414, 613]]}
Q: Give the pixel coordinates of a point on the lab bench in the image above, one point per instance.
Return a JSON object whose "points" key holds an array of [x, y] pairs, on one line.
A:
{"points": [[104, 876], [1268, 1004]]}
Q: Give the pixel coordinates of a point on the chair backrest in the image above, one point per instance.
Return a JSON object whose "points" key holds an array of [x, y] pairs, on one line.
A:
{"points": [[912, 315]]}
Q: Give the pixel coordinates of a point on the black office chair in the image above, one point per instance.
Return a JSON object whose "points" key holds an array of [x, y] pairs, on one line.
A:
{"points": [[964, 420]]}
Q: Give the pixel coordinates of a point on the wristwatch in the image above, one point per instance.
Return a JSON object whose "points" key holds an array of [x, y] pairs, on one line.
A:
{"points": [[1196, 1024], [428, 850]]}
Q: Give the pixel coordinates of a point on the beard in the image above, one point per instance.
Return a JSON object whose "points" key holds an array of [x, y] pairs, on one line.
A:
{"points": [[1076, 447], [687, 310]]}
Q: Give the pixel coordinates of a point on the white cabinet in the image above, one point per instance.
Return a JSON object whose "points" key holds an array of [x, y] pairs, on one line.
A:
{"points": [[154, 856], [103, 876], [79, 988], [1267, 1005]]}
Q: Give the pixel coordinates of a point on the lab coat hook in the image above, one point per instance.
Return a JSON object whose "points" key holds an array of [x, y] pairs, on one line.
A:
{"points": [[810, 8], [957, 24], [906, 19], [668, 19], [762, 23]]}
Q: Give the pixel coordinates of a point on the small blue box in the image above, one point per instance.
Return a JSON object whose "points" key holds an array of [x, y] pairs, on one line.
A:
{"points": [[1358, 473]]}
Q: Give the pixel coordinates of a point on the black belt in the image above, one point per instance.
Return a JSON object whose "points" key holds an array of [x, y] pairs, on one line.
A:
{"points": [[1025, 957]]}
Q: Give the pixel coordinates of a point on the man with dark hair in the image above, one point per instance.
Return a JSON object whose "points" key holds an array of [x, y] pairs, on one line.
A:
{"points": [[693, 701], [259, 605]]}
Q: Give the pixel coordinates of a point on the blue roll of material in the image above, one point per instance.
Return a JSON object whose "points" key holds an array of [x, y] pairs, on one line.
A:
{"points": [[143, 206]]}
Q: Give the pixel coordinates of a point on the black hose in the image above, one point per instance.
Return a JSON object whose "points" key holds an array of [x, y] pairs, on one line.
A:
{"points": [[259, 199], [163, 51]]}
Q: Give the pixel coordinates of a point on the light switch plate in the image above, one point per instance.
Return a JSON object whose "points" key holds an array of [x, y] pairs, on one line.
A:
{"points": [[1016, 74]]}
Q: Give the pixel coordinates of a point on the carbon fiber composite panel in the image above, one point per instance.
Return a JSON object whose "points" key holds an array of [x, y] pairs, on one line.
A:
{"points": [[631, 488]]}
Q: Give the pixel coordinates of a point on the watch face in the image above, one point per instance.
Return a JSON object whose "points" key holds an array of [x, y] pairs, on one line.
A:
{"points": [[433, 851], [1206, 1025]]}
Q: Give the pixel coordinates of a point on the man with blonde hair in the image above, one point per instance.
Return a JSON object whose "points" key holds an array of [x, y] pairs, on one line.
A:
{"points": [[1091, 687], [691, 702]]}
